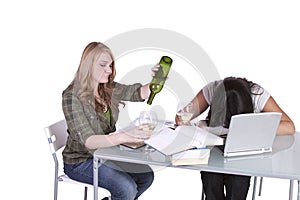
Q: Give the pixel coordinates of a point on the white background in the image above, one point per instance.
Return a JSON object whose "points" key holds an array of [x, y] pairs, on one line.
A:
{"points": [[41, 43]]}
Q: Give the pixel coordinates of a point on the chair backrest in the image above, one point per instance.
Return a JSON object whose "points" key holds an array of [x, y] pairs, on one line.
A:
{"points": [[57, 135]]}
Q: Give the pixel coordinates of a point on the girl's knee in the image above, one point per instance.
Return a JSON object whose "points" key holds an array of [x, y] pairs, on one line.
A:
{"points": [[129, 192]]}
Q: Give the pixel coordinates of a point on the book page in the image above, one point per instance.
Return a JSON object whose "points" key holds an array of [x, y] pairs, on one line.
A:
{"points": [[200, 137], [169, 141], [161, 140]]}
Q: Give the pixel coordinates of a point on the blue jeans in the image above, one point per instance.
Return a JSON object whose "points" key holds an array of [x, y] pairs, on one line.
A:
{"points": [[236, 186], [125, 181]]}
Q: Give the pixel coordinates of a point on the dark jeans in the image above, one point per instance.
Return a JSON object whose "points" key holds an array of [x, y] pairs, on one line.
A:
{"points": [[236, 186], [123, 180]]}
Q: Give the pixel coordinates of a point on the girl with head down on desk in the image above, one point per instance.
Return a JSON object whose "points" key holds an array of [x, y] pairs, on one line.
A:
{"points": [[226, 98], [90, 105]]}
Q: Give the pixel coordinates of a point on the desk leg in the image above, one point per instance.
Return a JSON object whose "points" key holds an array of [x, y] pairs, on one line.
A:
{"points": [[254, 188], [260, 186], [298, 196], [291, 189], [95, 178]]}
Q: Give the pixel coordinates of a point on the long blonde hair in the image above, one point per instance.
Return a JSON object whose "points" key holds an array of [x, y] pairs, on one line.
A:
{"points": [[84, 76]]}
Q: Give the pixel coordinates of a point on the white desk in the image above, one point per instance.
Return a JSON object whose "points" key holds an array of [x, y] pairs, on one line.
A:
{"points": [[283, 162]]}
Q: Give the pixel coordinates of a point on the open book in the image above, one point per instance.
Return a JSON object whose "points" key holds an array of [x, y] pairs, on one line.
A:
{"points": [[191, 157], [169, 141]]}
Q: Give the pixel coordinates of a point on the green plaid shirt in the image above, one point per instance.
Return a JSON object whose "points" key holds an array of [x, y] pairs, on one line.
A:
{"points": [[83, 121]]}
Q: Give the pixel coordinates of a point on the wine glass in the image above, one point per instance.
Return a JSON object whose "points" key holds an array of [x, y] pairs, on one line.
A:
{"points": [[147, 122], [185, 112]]}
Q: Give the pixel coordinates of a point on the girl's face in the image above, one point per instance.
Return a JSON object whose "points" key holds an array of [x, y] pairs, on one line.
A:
{"points": [[102, 68]]}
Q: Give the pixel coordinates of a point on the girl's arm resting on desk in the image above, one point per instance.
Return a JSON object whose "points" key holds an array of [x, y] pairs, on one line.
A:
{"points": [[132, 136], [286, 126]]}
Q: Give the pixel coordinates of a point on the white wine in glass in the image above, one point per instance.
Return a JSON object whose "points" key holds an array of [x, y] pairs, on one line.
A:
{"points": [[147, 123], [147, 120], [185, 112]]}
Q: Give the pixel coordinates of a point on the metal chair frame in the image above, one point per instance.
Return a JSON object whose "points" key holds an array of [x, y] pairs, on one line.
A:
{"points": [[57, 137]]}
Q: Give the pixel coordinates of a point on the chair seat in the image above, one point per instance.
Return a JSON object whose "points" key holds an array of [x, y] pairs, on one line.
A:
{"points": [[102, 192]]}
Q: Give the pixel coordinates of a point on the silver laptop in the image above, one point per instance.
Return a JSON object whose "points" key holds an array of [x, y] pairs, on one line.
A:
{"points": [[252, 133]]}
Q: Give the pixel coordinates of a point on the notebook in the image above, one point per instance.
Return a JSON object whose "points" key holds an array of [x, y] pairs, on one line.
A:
{"points": [[252, 133]]}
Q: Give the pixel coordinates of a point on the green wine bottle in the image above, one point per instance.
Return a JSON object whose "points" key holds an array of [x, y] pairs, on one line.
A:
{"points": [[160, 77]]}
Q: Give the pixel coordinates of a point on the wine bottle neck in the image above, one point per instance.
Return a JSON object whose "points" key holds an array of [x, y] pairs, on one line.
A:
{"points": [[151, 97]]}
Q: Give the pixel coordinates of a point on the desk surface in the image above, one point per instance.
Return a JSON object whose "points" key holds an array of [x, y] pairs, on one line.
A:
{"points": [[283, 162]]}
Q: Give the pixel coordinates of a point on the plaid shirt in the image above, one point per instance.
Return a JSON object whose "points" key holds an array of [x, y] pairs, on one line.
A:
{"points": [[83, 121]]}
